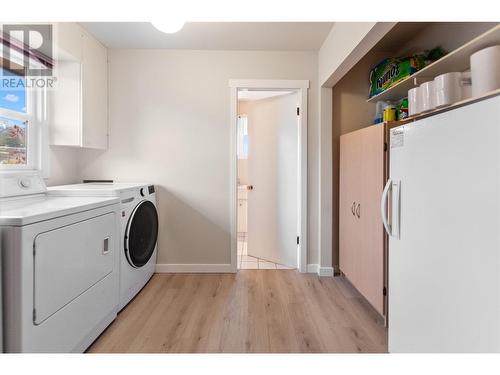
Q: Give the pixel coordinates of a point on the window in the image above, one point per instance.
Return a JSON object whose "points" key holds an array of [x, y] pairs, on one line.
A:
{"points": [[242, 150], [22, 113], [14, 122]]}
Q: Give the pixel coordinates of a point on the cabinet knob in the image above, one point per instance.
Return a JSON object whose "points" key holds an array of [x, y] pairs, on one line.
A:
{"points": [[250, 187]]}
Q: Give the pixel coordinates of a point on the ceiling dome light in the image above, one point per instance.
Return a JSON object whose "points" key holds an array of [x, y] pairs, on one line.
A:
{"points": [[168, 26]]}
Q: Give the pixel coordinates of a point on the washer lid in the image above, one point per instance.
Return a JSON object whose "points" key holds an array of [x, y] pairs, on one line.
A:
{"points": [[29, 210]]}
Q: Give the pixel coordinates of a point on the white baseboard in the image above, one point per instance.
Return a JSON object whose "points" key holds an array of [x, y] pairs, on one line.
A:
{"points": [[194, 268], [321, 271], [325, 272], [312, 268], [226, 268]]}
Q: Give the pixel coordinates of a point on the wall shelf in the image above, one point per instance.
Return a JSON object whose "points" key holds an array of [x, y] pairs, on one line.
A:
{"points": [[394, 124], [455, 61]]}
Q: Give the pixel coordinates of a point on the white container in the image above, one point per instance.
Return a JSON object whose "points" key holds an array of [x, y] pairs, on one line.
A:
{"points": [[466, 84], [413, 101], [448, 89], [427, 97], [485, 70]]}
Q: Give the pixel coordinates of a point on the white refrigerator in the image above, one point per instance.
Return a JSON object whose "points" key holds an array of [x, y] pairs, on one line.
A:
{"points": [[441, 209]]}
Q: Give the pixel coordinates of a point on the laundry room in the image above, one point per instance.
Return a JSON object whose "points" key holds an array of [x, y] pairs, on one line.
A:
{"points": [[206, 180]]}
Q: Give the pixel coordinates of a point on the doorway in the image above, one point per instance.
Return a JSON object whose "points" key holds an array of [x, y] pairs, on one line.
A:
{"points": [[269, 174]]}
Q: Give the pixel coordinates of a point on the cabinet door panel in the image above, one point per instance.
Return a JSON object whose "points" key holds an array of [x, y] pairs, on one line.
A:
{"points": [[361, 236], [349, 192], [371, 264], [95, 94]]}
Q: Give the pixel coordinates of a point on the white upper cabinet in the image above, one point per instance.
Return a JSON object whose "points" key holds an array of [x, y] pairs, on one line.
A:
{"points": [[79, 102]]}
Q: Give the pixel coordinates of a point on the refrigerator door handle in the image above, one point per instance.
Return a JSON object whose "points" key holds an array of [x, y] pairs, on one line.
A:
{"points": [[383, 207], [396, 202]]}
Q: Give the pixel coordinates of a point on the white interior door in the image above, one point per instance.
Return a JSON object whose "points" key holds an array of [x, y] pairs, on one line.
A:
{"points": [[273, 173]]}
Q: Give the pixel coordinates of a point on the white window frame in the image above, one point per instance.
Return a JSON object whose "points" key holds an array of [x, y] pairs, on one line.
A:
{"points": [[36, 137], [240, 138]]}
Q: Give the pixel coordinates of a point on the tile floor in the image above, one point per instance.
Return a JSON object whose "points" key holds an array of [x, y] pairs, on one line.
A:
{"points": [[248, 262]]}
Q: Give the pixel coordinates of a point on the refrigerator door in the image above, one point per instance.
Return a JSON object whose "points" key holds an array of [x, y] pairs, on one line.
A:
{"points": [[444, 269]]}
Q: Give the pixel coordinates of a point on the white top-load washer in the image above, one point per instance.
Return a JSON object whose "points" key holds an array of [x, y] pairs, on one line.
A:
{"points": [[60, 266], [139, 229]]}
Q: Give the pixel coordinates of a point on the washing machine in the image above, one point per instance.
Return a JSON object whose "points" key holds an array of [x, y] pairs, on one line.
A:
{"points": [[60, 266], [139, 229]]}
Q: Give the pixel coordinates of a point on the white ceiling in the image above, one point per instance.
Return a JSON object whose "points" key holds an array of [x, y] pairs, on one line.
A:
{"points": [[280, 36], [251, 95]]}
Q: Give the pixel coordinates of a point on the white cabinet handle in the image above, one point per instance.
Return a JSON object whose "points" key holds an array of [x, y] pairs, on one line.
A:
{"points": [[383, 207]]}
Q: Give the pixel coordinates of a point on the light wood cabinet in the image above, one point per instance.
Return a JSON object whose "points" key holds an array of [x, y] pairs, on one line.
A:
{"points": [[361, 233], [79, 103]]}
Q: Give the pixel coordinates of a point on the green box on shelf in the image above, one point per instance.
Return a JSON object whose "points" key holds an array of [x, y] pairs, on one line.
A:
{"points": [[393, 70]]}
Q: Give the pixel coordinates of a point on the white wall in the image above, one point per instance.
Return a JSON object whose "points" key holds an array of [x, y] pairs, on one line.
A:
{"points": [[169, 125], [63, 166], [346, 43]]}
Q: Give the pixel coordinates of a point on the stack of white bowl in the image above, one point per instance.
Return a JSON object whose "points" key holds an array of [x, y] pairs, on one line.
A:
{"points": [[453, 87], [444, 90], [485, 70]]}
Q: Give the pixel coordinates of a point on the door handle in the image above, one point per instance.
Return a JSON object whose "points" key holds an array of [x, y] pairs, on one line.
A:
{"points": [[383, 207], [358, 210], [353, 208], [105, 246], [393, 186]]}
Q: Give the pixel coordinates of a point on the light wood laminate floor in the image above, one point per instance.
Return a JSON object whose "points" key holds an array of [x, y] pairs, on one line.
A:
{"points": [[259, 311]]}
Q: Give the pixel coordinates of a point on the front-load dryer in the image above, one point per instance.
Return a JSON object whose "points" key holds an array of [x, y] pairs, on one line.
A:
{"points": [[139, 230]]}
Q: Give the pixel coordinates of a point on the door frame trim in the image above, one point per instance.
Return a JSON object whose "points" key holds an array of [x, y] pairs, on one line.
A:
{"points": [[301, 87]]}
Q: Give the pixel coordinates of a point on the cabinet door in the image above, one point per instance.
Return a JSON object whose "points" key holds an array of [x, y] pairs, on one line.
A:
{"points": [[66, 105], [371, 252], [95, 94], [349, 236], [361, 236]]}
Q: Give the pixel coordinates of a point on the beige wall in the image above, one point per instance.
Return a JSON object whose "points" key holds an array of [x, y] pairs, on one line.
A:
{"points": [[346, 43], [169, 125], [63, 166]]}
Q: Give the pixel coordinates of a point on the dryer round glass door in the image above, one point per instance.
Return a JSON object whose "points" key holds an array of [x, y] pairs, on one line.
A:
{"points": [[141, 234]]}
